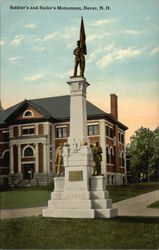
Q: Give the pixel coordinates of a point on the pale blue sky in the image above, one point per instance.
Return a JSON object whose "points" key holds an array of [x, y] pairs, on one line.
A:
{"points": [[123, 54]]}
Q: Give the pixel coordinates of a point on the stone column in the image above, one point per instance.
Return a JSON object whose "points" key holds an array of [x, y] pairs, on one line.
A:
{"points": [[36, 129], [11, 159], [19, 158], [36, 158], [44, 158], [19, 130], [78, 111], [103, 145]]}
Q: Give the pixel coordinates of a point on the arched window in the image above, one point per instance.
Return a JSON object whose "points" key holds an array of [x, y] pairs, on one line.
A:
{"points": [[28, 152], [107, 154], [112, 156], [28, 113], [5, 159]]}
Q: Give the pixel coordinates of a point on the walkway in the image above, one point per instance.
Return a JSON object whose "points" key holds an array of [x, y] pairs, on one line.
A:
{"points": [[136, 206], [21, 212]]}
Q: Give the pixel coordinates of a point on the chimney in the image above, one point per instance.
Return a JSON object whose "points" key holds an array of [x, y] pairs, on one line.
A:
{"points": [[114, 105]]}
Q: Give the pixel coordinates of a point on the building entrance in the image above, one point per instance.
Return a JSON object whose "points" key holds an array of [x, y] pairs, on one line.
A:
{"points": [[28, 171]]}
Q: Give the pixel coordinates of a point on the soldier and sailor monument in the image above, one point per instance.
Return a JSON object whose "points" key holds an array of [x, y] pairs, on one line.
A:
{"points": [[81, 192]]}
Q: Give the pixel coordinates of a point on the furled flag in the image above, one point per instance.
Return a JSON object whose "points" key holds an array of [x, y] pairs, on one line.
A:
{"points": [[83, 37]]}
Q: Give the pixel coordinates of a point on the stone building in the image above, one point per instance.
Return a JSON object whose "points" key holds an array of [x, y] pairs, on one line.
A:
{"points": [[31, 131]]}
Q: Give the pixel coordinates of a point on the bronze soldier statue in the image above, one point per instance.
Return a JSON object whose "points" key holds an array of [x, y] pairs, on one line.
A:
{"points": [[79, 53], [97, 158], [58, 160]]}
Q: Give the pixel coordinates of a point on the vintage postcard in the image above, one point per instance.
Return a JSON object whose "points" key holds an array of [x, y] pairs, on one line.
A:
{"points": [[79, 117]]}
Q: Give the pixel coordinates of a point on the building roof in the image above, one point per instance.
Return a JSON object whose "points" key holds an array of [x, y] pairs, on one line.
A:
{"points": [[55, 108]]}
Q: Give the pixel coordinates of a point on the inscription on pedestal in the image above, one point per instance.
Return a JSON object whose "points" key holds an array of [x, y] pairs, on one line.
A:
{"points": [[75, 175]]}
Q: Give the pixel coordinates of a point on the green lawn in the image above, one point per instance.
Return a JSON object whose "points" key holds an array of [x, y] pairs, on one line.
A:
{"points": [[25, 197], [39, 196], [154, 204], [49, 233]]}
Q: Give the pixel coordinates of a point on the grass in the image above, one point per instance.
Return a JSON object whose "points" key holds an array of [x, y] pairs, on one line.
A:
{"points": [[39, 196], [154, 204], [25, 197], [50, 233]]}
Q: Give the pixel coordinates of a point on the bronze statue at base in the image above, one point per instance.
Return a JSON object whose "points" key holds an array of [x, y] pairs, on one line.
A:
{"points": [[59, 161], [97, 158]]}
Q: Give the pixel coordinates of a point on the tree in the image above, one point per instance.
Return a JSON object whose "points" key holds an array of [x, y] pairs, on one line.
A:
{"points": [[144, 152], [154, 162]]}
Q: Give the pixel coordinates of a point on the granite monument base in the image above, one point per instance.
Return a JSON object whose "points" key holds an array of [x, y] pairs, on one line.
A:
{"points": [[94, 203]]}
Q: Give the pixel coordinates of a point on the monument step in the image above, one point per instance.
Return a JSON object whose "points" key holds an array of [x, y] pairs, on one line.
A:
{"points": [[70, 204], [71, 195], [106, 213], [69, 213], [102, 203], [99, 195]]}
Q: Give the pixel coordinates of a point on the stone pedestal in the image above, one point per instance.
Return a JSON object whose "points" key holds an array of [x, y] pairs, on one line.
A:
{"points": [[78, 194], [93, 203]]}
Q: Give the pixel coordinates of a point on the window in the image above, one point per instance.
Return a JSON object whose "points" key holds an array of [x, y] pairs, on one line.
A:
{"points": [[112, 156], [111, 133], [107, 130], [112, 179], [28, 152], [93, 130], [107, 179], [61, 132], [28, 113], [5, 136], [107, 154], [28, 131], [122, 160], [5, 159], [122, 138], [119, 137]]}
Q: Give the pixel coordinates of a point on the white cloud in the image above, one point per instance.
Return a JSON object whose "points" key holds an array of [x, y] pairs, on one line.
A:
{"points": [[147, 18], [62, 35], [70, 45], [134, 32], [102, 21], [109, 47], [105, 60], [34, 78], [30, 26], [63, 75], [2, 42], [51, 36], [16, 41], [13, 59], [125, 53], [117, 54], [106, 33], [91, 38], [155, 51], [37, 49], [93, 55]]}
